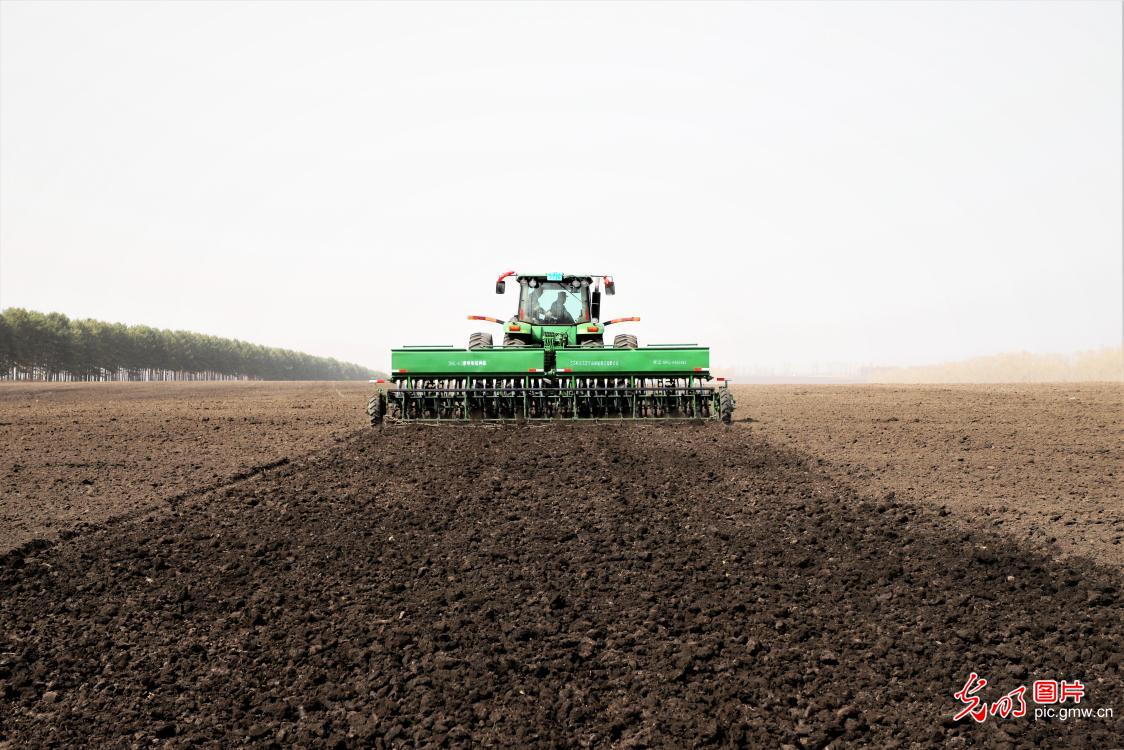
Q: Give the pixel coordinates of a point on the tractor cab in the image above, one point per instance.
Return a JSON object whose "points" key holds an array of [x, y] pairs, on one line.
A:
{"points": [[556, 309], [561, 302]]}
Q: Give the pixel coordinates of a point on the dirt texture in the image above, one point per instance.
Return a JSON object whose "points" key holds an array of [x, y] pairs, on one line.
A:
{"points": [[559, 585], [82, 453], [825, 573], [1044, 462]]}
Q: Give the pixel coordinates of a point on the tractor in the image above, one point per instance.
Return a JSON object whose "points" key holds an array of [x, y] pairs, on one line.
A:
{"points": [[552, 363]]}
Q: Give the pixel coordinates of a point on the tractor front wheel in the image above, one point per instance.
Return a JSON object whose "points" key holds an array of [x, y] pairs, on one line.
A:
{"points": [[480, 341], [624, 341], [595, 343], [513, 341]]}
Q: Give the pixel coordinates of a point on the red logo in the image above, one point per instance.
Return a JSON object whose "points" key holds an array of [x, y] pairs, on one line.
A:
{"points": [[1013, 704], [1045, 691], [974, 707]]}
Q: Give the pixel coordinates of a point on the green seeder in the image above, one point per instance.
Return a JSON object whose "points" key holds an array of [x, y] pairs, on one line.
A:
{"points": [[552, 364]]}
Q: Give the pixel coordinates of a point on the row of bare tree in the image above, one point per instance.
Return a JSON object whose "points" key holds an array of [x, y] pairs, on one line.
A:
{"points": [[51, 346]]}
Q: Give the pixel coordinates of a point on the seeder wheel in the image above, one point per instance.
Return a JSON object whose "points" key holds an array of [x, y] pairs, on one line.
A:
{"points": [[726, 405], [376, 409]]}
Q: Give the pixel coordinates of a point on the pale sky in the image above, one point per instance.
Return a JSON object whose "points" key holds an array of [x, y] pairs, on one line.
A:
{"points": [[792, 184]]}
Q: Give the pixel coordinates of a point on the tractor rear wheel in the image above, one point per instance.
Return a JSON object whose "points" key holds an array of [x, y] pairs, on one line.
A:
{"points": [[726, 405], [509, 340], [596, 343], [624, 341], [480, 341], [376, 409]]}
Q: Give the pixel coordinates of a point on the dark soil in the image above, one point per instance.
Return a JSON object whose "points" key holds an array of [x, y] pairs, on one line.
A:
{"points": [[77, 454], [1041, 461], [561, 585]]}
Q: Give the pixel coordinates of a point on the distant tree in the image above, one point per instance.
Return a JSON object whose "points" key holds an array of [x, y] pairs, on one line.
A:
{"points": [[7, 354], [52, 346], [83, 350], [25, 340]]}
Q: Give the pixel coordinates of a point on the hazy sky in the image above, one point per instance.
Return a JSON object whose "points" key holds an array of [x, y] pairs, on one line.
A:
{"points": [[885, 183]]}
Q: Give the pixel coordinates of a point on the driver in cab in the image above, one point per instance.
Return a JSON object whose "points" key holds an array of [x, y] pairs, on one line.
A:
{"points": [[558, 314]]}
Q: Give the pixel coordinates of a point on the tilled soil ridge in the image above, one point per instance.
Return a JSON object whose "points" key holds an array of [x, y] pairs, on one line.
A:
{"points": [[560, 585]]}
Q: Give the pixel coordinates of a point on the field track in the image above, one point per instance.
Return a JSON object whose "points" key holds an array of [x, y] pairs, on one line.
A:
{"points": [[558, 585]]}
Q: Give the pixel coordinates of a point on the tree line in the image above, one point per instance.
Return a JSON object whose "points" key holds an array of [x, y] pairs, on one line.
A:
{"points": [[51, 346]]}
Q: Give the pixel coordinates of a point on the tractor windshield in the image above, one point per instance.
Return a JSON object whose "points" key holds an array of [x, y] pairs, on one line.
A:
{"points": [[553, 303]]}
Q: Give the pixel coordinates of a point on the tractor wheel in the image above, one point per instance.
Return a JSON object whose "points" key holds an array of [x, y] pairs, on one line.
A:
{"points": [[376, 409], [596, 343], [624, 341], [480, 341], [726, 405], [512, 341]]}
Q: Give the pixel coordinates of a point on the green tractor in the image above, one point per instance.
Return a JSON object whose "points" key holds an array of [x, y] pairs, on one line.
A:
{"points": [[552, 363]]}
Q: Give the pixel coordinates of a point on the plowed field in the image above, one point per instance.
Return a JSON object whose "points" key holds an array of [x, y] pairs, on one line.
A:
{"points": [[77, 454], [595, 585]]}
